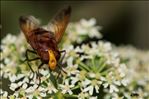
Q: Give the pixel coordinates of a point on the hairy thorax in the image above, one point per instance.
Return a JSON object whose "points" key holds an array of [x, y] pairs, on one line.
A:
{"points": [[42, 41]]}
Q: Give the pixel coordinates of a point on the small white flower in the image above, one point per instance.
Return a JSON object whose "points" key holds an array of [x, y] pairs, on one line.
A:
{"points": [[25, 80], [44, 72], [70, 61], [30, 96], [16, 94], [88, 23], [125, 82], [43, 94], [13, 86], [66, 88], [92, 75], [113, 88], [122, 70], [117, 83], [116, 96], [51, 88], [85, 57], [78, 49], [102, 78], [7, 60], [13, 78], [86, 82], [81, 76], [72, 69], [31, 89], [74, 80], [42, 89], [5, 94], [24, 86], [94, 97], [90, 89], [83, 95], [105, 85], [19, 76], [20, 83], [91, 85]]}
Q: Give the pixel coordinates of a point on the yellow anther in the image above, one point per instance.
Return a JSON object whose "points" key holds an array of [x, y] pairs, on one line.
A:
{"points": [[52, 60]]}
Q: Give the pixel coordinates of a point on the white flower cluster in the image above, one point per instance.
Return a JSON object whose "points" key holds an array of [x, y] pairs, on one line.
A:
{"points": [[80, 31], [137, 62], [138, 70], [12, 49], [84, 72], [92, 70], [92, 66]]}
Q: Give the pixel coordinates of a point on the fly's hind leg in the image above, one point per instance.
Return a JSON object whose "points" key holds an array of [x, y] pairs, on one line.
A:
{"points": [[38, 73]]}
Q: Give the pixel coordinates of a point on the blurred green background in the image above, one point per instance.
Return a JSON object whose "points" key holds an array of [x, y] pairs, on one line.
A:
{"points": [[124, 22]]}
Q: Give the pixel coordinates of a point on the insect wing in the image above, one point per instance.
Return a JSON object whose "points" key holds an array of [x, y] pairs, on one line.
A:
{"points": [[28, 24], [59, 23]]}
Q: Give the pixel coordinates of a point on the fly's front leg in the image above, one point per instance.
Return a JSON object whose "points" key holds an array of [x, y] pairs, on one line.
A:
{"points": [[60, 67], [26, 54], [61, 60], [29, 60], [60, 64]]}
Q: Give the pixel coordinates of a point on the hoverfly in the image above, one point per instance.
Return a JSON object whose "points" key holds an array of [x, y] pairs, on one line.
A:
{"points": [[45, 41]]}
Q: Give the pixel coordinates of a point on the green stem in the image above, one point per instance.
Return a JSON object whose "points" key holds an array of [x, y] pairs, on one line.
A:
{"points": [[84, 66], [105, 72], [102, 67], [68, 95], [93, 67], [76, 87], [101, 61]]}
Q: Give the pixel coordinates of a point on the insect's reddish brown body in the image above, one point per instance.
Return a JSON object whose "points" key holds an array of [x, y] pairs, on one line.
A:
{"points": [[45, 41], [41, 41]]}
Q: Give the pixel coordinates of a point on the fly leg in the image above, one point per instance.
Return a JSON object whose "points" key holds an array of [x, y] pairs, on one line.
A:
{"points": [[59, 72], [60, 63], [38, 74], [29, 60], [61, 60]]}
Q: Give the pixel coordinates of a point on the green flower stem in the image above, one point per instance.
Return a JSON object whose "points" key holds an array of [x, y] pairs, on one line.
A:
{"points": [[76, 87], [101, 67], [83, 66], [101, 62], [105, 72], [93, 65], [72, 96]]}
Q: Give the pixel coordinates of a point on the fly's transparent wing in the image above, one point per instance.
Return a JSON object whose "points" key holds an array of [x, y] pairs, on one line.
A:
{"points": [[28, 24], [59, 23]]}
